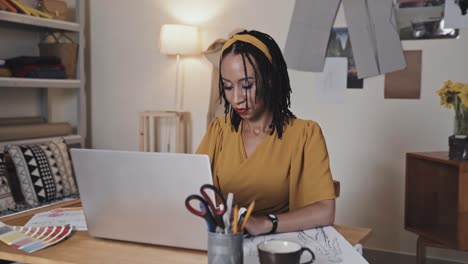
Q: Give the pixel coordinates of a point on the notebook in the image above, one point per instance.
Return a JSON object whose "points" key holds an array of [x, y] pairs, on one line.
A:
{"points": [[140, 196]]}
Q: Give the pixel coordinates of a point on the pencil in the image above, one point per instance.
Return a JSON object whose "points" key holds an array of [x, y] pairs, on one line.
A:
{"points": [[247, 215], [38, 13], [21, 7], [234, 220]]}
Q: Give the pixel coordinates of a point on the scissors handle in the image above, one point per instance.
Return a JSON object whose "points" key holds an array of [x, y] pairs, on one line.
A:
{"points": [[218, 212], [203, 212], [218, 197]]}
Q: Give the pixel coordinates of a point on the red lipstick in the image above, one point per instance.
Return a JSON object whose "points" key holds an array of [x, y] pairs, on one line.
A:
{"points": [[242, 111]]}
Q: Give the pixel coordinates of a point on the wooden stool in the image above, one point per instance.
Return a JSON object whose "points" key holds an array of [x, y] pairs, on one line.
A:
{"points": [[148, 130]]}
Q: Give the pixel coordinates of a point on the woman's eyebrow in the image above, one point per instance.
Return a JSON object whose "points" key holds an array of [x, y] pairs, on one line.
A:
{"points": [[241, 79], [246, 79]]}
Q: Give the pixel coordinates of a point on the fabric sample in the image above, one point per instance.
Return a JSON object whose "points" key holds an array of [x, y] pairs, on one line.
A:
{"points": [[44, 171], [308, 34], [374, 37], [6, 197], [372, 28]]}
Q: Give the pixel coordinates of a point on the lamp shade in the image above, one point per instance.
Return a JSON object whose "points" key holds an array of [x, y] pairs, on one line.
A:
{"points": [[179, 39]]}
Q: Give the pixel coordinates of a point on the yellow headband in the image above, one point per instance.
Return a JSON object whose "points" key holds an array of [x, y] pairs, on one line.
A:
{"points": [[249, 39]]}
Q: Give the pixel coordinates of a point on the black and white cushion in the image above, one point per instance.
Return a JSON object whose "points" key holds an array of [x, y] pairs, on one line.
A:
{"points": [[44, 171], [6, 197]]}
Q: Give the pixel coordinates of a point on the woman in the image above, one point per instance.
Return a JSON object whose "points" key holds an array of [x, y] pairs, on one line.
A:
{"points": [[260, 151]]}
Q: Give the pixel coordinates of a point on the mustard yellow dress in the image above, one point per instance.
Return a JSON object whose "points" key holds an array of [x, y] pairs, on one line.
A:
{"points": [[280, 175]]}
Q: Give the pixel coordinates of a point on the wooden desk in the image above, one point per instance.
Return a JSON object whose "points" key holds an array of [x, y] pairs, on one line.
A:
{"points": [[81, 248], [436, 201]]}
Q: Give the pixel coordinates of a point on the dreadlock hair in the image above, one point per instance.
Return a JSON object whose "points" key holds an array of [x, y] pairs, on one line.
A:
{"points": [[275, 87]]}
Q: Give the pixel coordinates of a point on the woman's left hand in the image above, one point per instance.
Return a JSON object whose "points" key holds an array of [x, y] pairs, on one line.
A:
{"points": [[258, 225]]}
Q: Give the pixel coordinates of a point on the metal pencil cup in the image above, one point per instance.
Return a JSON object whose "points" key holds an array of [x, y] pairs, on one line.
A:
{"points": [[225, 248]]}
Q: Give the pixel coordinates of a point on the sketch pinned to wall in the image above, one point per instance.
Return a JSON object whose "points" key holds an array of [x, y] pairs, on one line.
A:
{"points": [[339, 45], [456, 13], [326, 243], [331, 83], [422, 19], [405, 84]]}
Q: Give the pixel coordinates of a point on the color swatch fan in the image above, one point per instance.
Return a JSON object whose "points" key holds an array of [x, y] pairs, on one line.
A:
{"points": [[30, 239]]}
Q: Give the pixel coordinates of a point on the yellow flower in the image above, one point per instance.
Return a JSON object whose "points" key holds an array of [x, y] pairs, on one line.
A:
{"points": [[453, 94], [457, 87], [464, 94], [448, 99], [446, 88], [448, 83]]}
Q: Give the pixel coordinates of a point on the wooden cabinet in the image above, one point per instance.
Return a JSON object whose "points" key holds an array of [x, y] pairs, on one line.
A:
{"points": [[436, 200]]}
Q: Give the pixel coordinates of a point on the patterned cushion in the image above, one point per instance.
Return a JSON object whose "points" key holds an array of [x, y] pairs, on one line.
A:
{"points": [[44, 171], [6, 197]]}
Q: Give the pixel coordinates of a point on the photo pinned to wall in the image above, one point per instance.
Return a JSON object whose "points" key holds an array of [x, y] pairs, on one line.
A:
{"points": [[406, 83], [422, 19], [456, 13], [339, 45]]}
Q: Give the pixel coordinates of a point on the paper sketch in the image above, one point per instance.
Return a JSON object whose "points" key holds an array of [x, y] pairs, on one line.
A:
{"points": [[331, 83], [326, 243], [64, 216]]}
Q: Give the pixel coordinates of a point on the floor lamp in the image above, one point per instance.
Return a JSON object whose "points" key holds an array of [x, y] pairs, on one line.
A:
{"points": [[179, 40], [174, 40]]}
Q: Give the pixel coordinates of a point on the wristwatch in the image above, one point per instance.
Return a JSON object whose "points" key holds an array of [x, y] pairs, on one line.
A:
{"points": [[274, 220]]}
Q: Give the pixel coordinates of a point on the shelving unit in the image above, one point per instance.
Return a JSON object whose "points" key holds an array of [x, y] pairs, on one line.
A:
{"points": [[38, 83], [39, 22], [53, 95]]}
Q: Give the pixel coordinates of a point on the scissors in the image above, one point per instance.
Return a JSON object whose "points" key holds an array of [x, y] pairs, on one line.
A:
{"points": [[208, 209], [203, 212]]}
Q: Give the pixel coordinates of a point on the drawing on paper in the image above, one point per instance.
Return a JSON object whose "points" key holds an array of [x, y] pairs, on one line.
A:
{"points": [[326, 243]]}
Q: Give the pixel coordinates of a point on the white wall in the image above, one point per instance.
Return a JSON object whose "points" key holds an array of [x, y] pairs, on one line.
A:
{"points": [[367, 136]]}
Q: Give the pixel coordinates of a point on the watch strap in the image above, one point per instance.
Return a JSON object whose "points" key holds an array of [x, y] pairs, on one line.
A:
{"points": [[274, 221]]}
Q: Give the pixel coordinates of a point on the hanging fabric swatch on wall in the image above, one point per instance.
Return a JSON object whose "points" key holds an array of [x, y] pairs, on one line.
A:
{"points": [[373, 31], [405, 84], [308, 34], [372, 28]]}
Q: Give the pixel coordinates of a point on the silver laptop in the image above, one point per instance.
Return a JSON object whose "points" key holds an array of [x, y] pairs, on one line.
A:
{"points": [[140, 196]]}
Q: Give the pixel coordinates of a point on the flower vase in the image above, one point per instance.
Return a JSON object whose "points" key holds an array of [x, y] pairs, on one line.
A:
{"points": [[455, 95], [458, 143]]}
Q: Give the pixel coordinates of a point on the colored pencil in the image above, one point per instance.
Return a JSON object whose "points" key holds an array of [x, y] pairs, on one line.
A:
{"points": [[247, 215]]}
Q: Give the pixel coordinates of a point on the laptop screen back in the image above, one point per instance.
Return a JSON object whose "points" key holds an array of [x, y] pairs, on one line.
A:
{"points": [[140, 196]]}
